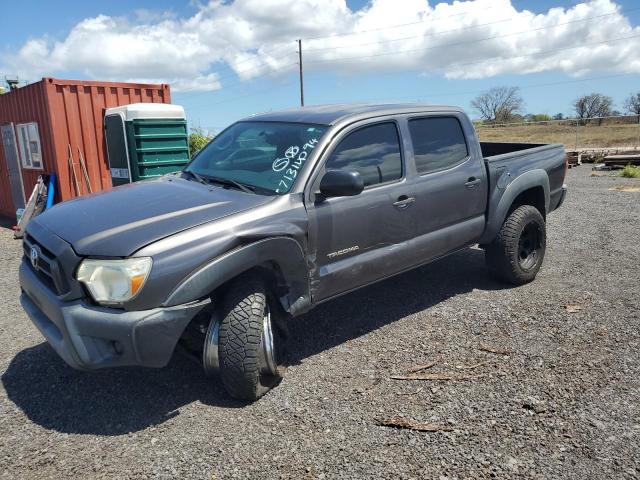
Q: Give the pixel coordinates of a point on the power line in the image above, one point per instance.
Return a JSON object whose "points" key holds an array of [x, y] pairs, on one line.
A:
{"points": [[242, 82], [360, 32], [543, 52], [408, 38], [287, 66], [462, 43], [501, 57], [257, 67], [523, 87], [250, 94], [449, 31], [463, 64], [389, 27], [263, 63]]}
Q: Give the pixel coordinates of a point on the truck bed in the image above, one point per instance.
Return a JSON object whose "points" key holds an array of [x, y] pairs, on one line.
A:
{"points": [[492, 149], [522, 163]]}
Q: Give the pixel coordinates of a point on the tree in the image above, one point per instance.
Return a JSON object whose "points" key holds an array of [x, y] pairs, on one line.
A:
{"points": [[632, 104], [198, 139], [499, 104], [558, 116], [593, 105]]}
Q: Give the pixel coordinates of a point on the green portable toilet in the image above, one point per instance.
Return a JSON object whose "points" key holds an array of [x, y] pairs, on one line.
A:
{"points": [[145, 140]]}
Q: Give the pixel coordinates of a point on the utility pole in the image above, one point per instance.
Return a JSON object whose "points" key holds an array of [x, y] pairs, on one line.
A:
{"points": [[301, 76]]}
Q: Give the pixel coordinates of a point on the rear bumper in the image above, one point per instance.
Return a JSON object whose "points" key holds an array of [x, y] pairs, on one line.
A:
{"points": [[557, 198], [89, 337]]}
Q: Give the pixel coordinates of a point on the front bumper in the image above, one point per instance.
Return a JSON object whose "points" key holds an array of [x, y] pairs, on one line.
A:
{"points": [[89, 337]]}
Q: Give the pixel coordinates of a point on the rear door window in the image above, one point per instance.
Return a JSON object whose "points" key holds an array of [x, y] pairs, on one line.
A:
{"points": [[438, 143], [373, 152]]}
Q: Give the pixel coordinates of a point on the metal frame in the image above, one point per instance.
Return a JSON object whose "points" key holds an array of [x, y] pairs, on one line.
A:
{"points": [[15, 145]]}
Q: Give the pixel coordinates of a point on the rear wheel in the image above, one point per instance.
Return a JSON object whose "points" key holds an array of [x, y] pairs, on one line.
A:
{"points": [[244, 340], [516, 254]]}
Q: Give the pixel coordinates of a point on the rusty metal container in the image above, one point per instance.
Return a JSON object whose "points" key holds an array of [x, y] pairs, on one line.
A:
{"points": [[67, 113]]}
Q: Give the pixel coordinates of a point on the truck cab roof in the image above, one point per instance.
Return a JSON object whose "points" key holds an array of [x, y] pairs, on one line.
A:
{"points": [[335, 113]]}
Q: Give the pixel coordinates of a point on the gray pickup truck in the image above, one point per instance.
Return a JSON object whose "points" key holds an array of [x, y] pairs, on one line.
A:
{"points": [[280, 212]]}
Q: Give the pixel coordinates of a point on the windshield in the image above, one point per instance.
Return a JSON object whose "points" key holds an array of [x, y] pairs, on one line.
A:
{"points": [[264, 155]]}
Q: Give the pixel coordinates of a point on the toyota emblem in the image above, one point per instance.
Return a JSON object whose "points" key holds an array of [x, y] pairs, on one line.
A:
{"points": [[34, 255]]}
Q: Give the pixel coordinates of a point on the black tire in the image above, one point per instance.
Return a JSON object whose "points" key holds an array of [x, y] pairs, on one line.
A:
{"points": [[243, 368], [516, 254]]}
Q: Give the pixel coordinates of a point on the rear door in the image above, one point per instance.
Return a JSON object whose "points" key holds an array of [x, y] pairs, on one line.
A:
{"points": [[13, 164], [362, 238], [450, 185]]}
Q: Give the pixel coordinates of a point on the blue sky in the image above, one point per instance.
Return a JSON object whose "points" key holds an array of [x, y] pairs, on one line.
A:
{"points": [[217, 91]]}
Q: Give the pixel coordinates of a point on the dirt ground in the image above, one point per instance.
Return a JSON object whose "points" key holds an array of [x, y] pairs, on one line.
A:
{"points": [[589, 136], [562, 400]]}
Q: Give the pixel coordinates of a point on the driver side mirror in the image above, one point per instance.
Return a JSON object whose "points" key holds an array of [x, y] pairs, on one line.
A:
{"points": [[341, 183]]}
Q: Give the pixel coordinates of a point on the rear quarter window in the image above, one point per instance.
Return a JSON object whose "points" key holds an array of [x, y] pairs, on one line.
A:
{"points": [[438, 143]]}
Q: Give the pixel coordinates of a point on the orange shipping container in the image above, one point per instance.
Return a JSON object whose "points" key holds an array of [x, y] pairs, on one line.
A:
{"points": [[38, 122]]}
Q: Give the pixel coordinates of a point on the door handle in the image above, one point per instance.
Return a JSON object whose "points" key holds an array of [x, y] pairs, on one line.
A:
{"points": [[403, 201], [472, 182]]}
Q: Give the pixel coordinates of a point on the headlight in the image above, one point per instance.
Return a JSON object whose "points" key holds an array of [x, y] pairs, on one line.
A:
{"points": [[113, 282]]}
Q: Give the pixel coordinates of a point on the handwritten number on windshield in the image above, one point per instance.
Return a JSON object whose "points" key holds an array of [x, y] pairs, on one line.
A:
{"points": [[294, 159]]}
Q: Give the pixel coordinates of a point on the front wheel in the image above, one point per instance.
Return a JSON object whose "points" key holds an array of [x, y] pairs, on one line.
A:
{"points": [[516, 254], [249, 340]]}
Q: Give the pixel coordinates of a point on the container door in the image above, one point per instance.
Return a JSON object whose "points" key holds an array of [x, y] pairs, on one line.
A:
{"points": [[157, 146], [13, 164], [117, 152]]}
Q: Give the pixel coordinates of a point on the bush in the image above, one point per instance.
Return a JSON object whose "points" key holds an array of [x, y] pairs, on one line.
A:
{"points": [[540, 117], [198, 140], [630, 172]]}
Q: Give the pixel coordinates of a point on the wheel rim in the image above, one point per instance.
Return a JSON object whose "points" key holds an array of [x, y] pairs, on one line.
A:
{"points": [[269, 364], [529, 247], [210, 359]]}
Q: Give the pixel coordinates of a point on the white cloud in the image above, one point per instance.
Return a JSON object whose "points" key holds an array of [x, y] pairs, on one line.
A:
{"points": [[465, 39]]}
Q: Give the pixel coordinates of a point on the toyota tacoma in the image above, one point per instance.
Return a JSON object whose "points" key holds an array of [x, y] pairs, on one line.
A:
{"points": [[280, 212]]}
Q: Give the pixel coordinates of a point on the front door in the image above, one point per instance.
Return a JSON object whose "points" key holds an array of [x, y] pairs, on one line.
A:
{"points": [[13, 164], [359, 239]]}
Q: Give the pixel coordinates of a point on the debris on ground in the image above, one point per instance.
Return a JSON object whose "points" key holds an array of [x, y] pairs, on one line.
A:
{"points": [[496, 350], [419, 368], [436, 376], [626, 188], [471, 367], [399, 422], [535, 405], [572, 308]]}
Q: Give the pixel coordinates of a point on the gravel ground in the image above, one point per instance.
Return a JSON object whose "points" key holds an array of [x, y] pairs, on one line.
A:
{"points": [[564, 403]]}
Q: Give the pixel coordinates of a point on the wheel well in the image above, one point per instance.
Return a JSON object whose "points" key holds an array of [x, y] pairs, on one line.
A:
{"points": [[534, 197], [269, 272], [274, 283]]}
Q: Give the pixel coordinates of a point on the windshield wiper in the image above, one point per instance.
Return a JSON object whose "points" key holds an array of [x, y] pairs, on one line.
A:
{"points": [[233, 183], [196, 177], [207, 180]]}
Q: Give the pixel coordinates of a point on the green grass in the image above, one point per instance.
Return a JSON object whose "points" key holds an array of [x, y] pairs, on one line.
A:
{"points": [[630, 172]]}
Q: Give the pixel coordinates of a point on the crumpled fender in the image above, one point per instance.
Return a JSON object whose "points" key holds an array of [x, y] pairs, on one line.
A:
{"points": [[285, 252]]}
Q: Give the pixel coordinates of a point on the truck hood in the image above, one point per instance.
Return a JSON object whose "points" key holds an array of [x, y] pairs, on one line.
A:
{"points": [[120, 221]]}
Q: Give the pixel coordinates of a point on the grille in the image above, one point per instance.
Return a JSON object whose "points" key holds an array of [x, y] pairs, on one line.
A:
{"points": [[47, 267]]}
